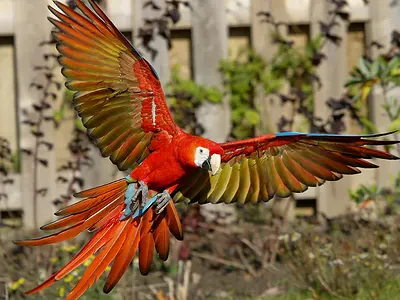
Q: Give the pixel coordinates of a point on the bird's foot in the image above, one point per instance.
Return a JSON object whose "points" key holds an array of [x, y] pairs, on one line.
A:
{"points": [[135, 197], [162, 201]]}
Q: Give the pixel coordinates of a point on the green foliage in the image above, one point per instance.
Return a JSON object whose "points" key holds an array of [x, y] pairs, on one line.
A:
{"points": [[390, 194], [296, 67], [387, 291], [364, 193], [184, 96], [243, 74], [241, 77], [10, 161], [383, 72], [343, 265]]}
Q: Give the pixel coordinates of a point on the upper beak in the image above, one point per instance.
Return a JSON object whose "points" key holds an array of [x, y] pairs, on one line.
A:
{"points": [[212, 163]]}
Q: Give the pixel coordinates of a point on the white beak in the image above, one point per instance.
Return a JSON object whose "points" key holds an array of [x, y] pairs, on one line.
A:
{"points": [[215, 163]]}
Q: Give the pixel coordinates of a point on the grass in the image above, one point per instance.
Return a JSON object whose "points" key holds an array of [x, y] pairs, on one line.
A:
{"points": [[390, 290]]}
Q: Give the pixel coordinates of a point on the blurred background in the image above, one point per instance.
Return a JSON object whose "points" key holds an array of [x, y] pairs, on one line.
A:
{"points": [[231, 69]]}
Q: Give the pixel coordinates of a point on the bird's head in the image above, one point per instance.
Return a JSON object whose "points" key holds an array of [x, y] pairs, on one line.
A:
{"points": [[204, 154]]}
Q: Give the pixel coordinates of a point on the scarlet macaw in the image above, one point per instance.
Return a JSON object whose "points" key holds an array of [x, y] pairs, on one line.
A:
{"points": [[121, 102]]}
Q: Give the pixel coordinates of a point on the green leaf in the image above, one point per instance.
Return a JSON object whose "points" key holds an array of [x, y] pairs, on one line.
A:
{"points": [[394, 63], [353, 81], [365, 91], [364, 67], [375, 68], [395, 125], [371, 128], [252, 116]]}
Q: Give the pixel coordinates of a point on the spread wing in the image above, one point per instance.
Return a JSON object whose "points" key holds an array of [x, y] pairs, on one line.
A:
{"points": [[259, 168], [118, 94]]}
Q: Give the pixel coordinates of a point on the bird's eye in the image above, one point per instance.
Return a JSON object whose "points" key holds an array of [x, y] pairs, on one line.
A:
{"points": [[201, 151]]}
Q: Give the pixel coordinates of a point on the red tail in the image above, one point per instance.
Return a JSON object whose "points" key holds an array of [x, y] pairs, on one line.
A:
{"points": [[117, 241]]}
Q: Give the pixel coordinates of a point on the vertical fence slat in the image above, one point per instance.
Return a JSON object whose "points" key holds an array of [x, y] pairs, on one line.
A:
{"points": [[269, 107], [384, 17], [263, 44], [8, 123], [31, 28], [332, 197], [210, 46]]}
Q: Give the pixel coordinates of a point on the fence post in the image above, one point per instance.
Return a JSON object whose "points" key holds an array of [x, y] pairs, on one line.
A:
{"points": [[269, 106], [8, 123], [384, 18], [263, 44], [332, 197], [210, 46], [31, 28]]}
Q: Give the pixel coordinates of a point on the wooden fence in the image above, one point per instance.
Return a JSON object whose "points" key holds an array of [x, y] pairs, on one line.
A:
{"points": [[200, 40]]}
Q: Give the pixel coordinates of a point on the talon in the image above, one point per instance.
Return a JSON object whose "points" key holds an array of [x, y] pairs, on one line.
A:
{"points": [[162, 201], [134, 203], [145, 192]]}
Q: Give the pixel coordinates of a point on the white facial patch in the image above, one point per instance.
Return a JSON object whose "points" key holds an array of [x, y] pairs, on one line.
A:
{"points": [[201, 156]]}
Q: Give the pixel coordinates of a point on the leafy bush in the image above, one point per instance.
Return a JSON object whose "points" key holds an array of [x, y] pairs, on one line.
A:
{"points": [[343, 265], [383, 72]]}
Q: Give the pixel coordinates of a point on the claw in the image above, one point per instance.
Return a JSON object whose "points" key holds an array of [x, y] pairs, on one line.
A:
{"points": [[134, 203], [137, 203], [162, 201], [145, 192]]}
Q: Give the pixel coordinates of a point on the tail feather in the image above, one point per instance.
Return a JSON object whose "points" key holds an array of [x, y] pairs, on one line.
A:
{"points": [[146, 244], [116, 240], [119, 184], [65, 221], [112, 214], [99, 215], [93, 197], [101, 261], [97, 241], [161, 238], [124, 257], [173, 221], [63, 235], [77, 216]]}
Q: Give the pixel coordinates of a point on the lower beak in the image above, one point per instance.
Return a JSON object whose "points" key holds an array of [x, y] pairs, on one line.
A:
{"points": [[212, 163], [207, 164]]}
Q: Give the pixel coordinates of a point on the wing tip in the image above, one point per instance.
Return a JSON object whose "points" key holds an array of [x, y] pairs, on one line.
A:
{"points": [[30, 242], [17, 242]]}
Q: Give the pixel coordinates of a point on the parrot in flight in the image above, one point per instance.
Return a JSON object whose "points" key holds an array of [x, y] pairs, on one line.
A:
{"points": [[120, 100]]}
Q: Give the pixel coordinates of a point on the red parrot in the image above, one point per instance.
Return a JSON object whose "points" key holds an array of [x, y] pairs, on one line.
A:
{"points": [[121, 103]]}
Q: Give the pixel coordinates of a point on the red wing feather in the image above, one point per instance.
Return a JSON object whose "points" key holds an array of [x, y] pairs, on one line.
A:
{"points": [[118, 94]]}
